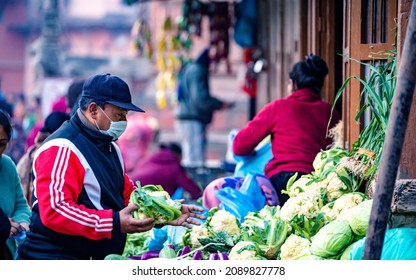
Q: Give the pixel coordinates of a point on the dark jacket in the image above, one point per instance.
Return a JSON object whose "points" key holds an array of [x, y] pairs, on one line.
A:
{"points": [[4, 233], [195, 99], [81, 186]]}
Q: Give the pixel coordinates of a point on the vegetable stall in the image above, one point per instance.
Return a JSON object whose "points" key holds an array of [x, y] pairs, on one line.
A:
{"points": [[325, 218]]}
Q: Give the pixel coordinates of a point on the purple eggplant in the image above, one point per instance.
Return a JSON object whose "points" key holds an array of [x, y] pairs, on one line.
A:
{"points": [[149, 255], [213, 257], [135, 257], [184, 250], [223, 256], [198, 255], [171, 246]]}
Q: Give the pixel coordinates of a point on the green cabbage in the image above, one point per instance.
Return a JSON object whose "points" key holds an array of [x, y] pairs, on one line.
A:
{"points": [[359, 216], [332, 239], [346, 254]]}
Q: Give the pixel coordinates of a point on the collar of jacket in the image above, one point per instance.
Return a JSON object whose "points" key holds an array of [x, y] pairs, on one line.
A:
{"points": [[90, 131], [304, 94]]}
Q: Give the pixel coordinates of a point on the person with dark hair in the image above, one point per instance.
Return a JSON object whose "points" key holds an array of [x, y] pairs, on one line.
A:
{"points": [[73, 95], [195, 109], [12, 200], [81, 207], [297, 125], [164, 168], [17, 144], [24, 167]]}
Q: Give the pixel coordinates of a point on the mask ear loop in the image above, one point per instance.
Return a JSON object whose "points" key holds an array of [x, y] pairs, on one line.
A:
{"points": [[96, 124], [105, 114]]}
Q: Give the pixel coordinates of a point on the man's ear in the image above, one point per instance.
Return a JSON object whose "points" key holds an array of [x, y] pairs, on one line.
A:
{"points": [[92, 109]]}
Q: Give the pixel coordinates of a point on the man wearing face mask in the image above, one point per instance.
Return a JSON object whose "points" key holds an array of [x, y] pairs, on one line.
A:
{"points": [[82, 191]]}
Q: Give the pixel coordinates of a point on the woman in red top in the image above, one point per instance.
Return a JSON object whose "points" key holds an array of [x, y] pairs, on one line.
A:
{"points": [[297, 125]]}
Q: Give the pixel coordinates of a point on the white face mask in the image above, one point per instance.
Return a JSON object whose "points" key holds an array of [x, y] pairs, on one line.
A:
{"points": [[116, 128]]}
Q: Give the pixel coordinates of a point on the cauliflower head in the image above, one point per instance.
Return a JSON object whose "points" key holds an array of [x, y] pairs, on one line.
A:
{"points": [[196, 233], [243, 250], [329, 212], [294, 247], [334, 186], [301, 185], [223, 220], [305, 203], [347, 201]]}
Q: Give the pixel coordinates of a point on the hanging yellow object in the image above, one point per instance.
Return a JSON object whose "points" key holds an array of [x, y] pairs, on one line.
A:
{"points": [[160, 81], [160, 62], [170, 80], [161, 99]]}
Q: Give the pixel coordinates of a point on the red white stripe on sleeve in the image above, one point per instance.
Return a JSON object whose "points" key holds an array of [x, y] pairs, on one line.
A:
{"points": [[61, 171]]}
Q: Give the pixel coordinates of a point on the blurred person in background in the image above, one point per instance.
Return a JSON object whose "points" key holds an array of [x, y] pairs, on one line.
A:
{"points": [[12, 200], [73, 95], [24, 167], [17, 144], [57, 105], [195, 109], [164, 168], [137, 141], [34, 120]]}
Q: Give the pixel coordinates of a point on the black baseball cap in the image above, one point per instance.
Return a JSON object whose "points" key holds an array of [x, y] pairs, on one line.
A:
{"points": [[110, 89]]}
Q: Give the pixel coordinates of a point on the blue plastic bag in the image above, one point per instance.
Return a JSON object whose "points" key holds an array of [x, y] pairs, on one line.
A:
{"points": [[157, 238], [399, 244], [248, 198], [253, 191], [253, 163]]}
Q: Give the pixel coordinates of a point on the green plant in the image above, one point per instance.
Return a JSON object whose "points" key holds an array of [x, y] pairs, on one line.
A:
{"points": [[376, 98]]}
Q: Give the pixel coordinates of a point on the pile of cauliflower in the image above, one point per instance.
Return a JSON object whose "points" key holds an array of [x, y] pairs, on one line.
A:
{"points": [[324, 215]]}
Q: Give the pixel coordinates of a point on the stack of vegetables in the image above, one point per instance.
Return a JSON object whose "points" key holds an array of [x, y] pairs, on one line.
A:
{"points": [[328, 210], [323, 217]]}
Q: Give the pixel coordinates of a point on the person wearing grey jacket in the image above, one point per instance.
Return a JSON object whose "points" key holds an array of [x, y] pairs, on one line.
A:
{"points": [[195, 109]]}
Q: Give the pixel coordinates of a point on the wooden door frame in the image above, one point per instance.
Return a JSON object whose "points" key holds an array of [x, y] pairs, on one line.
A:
{"points": [[354, 48]]}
